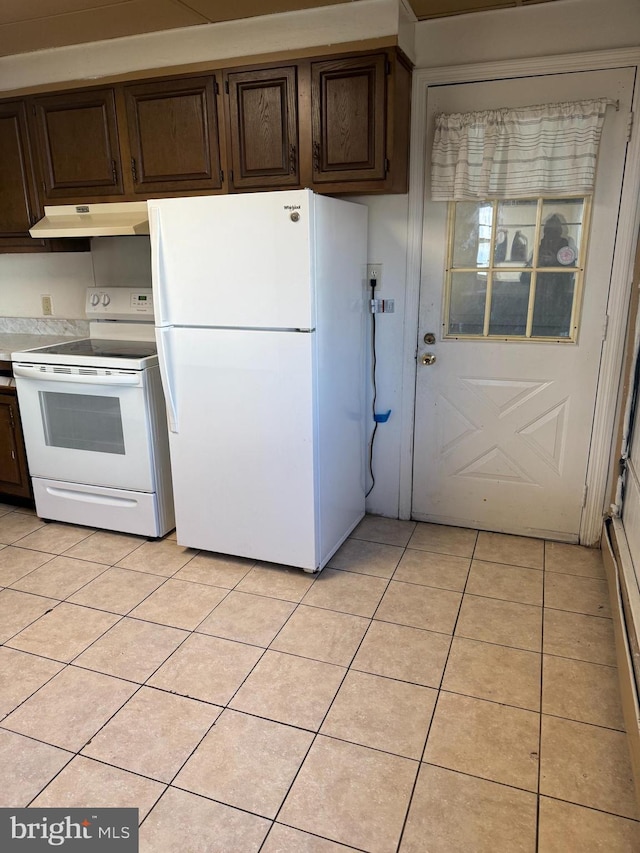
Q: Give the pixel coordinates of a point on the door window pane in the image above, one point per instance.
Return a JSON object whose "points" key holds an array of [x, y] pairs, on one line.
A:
{"points": [[82, 422], [472, 231], [561, 232], [553, 304], [509, 304], [516, 232], [467, 306], [507, 273]]}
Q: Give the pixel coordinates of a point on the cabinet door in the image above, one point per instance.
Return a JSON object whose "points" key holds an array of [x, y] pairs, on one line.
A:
{"points": [[173, 133], [263, 122], [14, 476], [348, 119], [18, 206], [78, 144]]}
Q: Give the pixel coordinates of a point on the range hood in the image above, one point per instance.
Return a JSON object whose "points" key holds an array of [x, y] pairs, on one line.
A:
{"points": [[93, 220]]}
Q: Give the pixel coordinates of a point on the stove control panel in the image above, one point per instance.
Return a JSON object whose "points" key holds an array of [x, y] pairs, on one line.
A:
{"points": [[119, 303]]}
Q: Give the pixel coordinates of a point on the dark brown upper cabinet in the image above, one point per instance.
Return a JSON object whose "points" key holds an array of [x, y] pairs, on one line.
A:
{"points": [[336, 124], [77, 137], [18, 201], [173, 135], [348, 99], [263, 128]]}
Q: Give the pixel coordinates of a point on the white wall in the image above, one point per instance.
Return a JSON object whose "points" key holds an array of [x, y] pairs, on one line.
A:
{"points": [[545, 29], [387, 246], [64, 276], [121, 261]]}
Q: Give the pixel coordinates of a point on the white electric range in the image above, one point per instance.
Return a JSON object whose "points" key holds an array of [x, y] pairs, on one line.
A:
{"points": [[94, 420]]}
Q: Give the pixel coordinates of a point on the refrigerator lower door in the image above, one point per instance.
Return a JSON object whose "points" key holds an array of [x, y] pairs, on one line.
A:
{"points": [[243, 457]]}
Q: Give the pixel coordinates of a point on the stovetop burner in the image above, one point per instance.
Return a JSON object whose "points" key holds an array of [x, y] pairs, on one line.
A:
{"points": [[103, 348]]}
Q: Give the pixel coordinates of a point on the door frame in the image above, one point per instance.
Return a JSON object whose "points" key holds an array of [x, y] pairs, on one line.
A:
{"points": [[611, 365]]}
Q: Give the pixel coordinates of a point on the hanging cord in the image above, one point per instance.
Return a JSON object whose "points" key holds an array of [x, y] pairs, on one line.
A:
{"points": [[372, 283]]}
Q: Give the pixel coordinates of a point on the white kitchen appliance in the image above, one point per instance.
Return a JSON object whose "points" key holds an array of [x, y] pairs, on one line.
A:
{"points": [[260, 305], [94, 421]]}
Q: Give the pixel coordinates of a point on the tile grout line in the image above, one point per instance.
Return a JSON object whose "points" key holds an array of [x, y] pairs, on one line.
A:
{"points": [[191, 632], [316, 734], [539, 776], [437, 702]]}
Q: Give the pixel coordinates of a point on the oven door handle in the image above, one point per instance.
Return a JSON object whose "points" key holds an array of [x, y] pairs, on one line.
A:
{"points": [[114, 379]]}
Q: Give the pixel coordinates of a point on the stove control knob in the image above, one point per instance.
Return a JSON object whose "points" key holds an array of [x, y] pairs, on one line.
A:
{"points": [[95, 298], [106, 299]]}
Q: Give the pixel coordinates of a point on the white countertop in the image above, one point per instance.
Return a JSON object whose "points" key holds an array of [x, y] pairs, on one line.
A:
{"points": [[10, 342]]}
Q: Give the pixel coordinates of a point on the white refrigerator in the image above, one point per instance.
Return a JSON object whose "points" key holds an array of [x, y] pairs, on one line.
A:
{"points": [[260, 305]]}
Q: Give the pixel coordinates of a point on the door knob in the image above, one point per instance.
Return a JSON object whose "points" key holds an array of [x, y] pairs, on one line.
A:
{"points": [[428, 358]]}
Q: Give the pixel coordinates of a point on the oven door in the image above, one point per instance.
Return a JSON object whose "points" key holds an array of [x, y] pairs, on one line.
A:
{"points": [[92, 430]]}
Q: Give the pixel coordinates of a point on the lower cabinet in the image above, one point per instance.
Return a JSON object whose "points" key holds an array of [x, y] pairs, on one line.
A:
{"points": [[14, 474]]}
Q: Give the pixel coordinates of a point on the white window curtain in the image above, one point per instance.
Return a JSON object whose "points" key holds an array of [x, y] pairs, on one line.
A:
{"points": [[549, 149]]}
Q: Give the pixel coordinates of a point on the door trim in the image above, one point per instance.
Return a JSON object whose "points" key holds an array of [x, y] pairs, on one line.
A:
{"points": [[607, 402]]}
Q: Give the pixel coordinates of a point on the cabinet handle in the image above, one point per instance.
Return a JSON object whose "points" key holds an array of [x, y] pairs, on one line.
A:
{"points": [[292, 159], [134, 170], [114, 171], [316, 156]]}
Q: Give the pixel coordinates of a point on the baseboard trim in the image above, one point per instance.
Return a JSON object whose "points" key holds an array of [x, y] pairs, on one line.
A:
{"points": [[625, 610]]}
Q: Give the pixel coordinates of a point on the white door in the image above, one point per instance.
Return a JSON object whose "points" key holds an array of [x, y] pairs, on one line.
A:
{"points": [[503, 428]]}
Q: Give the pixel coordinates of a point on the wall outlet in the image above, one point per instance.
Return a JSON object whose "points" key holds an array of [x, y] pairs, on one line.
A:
{"points": [[47, 307], [374, 271]]}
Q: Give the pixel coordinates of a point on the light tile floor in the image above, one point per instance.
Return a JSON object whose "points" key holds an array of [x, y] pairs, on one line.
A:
{"points": [[433, 690]]}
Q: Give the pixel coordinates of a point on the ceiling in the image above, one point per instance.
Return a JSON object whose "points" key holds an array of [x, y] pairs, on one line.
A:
{"points": [[28, 26]]}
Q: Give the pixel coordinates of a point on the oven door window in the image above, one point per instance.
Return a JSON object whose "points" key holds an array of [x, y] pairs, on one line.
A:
{"points": [[82, 422]]}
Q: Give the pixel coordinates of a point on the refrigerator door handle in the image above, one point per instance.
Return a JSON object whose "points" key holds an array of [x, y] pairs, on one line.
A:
{"points": [[164, 362], [157, 271]]}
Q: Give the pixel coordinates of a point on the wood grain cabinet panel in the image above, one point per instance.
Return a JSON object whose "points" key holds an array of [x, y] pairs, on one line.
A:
{"points": [[18, 202], [348, 102], [337, 124], [263, 128], [78, 144], [173, 135], [14, 474]]}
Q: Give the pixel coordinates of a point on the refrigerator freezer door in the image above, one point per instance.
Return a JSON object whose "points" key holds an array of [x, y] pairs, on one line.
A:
{"points": [[243, 460], [234, 260]]}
